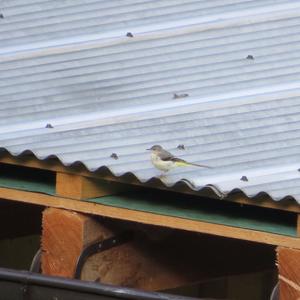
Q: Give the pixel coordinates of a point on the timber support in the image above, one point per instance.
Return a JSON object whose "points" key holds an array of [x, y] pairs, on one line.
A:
{"points": [[289, 273], [80, 187]]}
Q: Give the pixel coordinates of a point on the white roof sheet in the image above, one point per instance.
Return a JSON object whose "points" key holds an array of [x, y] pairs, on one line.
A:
{"points": [[70, 64]]}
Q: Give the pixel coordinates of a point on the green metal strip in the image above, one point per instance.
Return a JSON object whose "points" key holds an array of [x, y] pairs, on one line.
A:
{"points": [[27, 185], [171, 204], [216, 212]]}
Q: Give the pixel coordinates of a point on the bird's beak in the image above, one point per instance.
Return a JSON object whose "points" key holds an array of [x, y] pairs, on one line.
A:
{"points": [[148, 149]]}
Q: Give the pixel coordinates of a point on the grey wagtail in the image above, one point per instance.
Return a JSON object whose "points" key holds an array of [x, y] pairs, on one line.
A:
{"points": [[165, 161]]}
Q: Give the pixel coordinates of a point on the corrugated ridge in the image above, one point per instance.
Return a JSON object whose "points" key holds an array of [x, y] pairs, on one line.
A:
{"points": [[186, 182], [68, 31], [235, 64]]}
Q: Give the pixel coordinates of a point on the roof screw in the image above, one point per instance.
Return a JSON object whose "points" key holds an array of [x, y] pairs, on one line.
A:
{"points": [[178, 96], [250, 57], [49, 126], [181, 147], [114, 156], [129, 34], [244, 178], [1, 16]]}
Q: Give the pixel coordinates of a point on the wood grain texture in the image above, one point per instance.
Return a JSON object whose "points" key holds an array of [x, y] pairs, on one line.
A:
{"points": [[289, 273], [298, 225], [160, 258], [65, 234], [149, 218], [80, 187], [140, 264]]}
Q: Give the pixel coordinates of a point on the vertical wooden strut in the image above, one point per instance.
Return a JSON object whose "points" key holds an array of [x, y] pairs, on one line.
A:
{"points": [[289, 273], [298, 225], [80, 187], [65, 234]]}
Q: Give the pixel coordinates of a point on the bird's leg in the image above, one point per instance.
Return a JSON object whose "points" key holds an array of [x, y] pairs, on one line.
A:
{"points": [[163, 175]]}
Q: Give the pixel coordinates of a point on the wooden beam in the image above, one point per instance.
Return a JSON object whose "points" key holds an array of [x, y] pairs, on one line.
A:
{"points": [[163, 259], [64, 236], [150, 218], [81, 187], [49, 164], [56, 166], [289, 273], [298, 225]]}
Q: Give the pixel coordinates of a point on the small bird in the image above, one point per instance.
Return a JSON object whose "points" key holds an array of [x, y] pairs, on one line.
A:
{"points": [[165, 161]]}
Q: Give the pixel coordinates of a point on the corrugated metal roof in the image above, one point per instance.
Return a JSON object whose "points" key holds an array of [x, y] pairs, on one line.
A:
{"points": [[70, 64]]}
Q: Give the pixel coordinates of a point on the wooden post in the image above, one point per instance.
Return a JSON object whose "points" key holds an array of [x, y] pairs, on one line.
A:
{"points": [[65, 234], [80, 187], [298, 225], [289, 273]]}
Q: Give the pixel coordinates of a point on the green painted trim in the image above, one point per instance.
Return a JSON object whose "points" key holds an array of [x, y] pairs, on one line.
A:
{"points": [[27, 185], [175, 205], [215, 212]]}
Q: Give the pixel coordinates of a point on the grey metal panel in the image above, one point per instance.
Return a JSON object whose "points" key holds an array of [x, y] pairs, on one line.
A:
{"points": [[36, 21], [15, 285], [104, 92]]}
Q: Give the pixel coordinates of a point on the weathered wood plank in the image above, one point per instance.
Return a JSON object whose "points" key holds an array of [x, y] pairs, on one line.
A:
{"points": [[298, 225], [289, 273], [149, 218], [65, 234], [81, 187]]}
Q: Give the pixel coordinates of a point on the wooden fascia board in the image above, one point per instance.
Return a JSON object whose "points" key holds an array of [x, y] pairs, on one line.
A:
{"points": [[149, 218]]}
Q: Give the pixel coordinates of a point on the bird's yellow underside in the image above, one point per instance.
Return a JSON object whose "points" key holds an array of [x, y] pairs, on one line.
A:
{"points": [[181, 164]]}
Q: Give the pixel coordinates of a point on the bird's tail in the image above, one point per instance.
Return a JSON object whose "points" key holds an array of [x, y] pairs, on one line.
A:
{"points": [[183, 163], [201, 166]]}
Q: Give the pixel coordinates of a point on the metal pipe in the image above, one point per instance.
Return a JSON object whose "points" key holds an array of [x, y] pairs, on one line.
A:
{"points": [[29, 278]]}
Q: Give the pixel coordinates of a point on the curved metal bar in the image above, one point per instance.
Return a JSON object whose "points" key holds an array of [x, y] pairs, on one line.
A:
{"points": [[275, 293], [36, 262], [77, 287], [99, 247]]}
